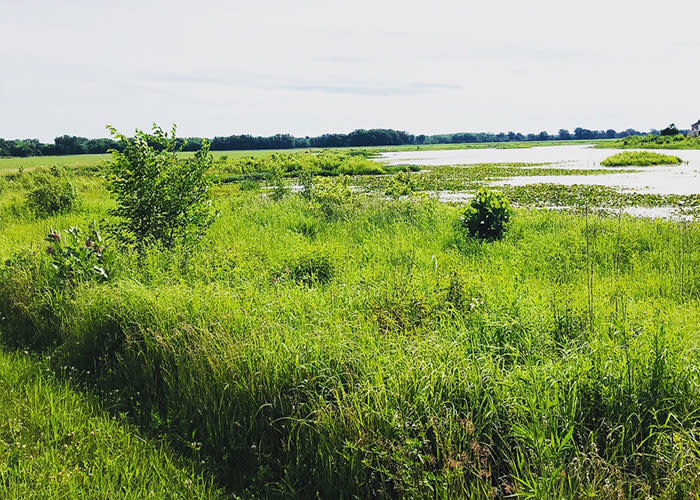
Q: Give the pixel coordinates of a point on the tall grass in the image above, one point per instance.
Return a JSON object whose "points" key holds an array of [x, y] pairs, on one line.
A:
{"points": [[422, 366], [57, 443], [678, 141]]}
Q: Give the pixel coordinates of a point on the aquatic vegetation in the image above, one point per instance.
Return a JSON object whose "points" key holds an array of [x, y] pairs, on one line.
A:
{"points": [[400, 184], [640, 159]]}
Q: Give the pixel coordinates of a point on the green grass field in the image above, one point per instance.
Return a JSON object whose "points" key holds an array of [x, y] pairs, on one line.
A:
{"points": [[56, 442], [358, 349]]}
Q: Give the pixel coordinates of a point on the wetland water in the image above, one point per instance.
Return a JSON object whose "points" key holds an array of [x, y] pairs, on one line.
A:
{"points": [[681, 179]]}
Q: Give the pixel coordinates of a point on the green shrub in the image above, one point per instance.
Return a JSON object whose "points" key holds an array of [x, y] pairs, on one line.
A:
{"points": [[77, 259], [160, 198], [57, 171], [51, 197], [487, 216]]}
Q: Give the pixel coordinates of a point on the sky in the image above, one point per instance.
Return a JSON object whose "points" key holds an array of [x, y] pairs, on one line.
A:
{"points": [[312, 67]]}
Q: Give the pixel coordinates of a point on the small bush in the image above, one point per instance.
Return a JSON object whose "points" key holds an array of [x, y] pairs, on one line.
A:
{"points": [[160, 197], [487, 216], [52, 197], [57, 171], [75, 258]]}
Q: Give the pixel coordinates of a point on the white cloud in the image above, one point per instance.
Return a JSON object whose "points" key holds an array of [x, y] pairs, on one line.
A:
{"points": [[309, 67]]}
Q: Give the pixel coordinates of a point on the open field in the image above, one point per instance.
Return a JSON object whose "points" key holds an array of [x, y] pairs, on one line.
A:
{"points": [[77, 161], [359, 346]]}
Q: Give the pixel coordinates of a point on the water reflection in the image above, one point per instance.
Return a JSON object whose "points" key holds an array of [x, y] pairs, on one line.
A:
{"points": [[680, 179]]}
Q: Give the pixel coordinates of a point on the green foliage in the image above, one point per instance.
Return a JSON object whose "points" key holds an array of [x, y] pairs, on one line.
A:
{"points": [[401, 184], [671, 130], [27, 302], [640, 159], [305, 356], [250, 185], [280, 189], [678, 141], [487, 216], [332, 197], [160, 197], [52, 196], [56, 442], [75, 258], [310, 269], [323, 163], [306, 180]]}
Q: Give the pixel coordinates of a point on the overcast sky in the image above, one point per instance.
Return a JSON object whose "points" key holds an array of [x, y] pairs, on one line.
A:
{"points": [[310, 67]]}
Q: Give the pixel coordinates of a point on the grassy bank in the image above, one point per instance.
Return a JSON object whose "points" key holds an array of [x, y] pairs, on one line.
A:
{"points": [[655, 142], [57, 443], [361, 348]]}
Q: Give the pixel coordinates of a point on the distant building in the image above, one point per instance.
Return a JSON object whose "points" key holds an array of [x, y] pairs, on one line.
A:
{"points": [[695, 129]]}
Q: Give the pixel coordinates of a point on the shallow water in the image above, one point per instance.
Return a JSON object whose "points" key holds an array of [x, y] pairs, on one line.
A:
{"points": [[663, 212], [680, 179]]}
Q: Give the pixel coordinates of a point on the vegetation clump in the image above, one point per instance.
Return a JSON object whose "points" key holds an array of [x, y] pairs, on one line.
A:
{"points": [[677, 141], [75, 258], [401, 184], [160, 197], [310, 269], [487, 216], [640, 159], [52, 196], [332, 197]]}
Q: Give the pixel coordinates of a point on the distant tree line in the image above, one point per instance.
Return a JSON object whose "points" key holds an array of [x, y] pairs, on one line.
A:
{"points": [[71, 145]]}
